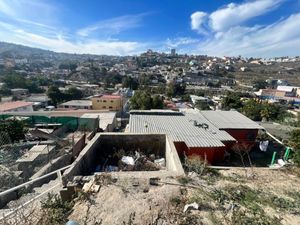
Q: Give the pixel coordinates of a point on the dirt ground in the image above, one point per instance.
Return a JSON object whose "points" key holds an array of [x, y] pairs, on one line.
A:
{"points": [[234, 196], [275, 182], [127, 199]]}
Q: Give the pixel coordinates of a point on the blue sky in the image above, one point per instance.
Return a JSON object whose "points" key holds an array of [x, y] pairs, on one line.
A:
{"points": [[258, 28]]}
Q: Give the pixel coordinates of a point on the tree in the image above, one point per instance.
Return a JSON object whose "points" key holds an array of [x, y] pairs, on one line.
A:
{"points": [[144, 101], [252, 109], [14, 80], [144, 79], [260, 84], [232, 101], [55, 95], [73, 93], [68, 66], [14, 128], [175, 89], [258, 111], [161, 89], [294, 142], [103, 71], [201, 105], [129, 82], [5, 91], [157, 102], [33, 87]]}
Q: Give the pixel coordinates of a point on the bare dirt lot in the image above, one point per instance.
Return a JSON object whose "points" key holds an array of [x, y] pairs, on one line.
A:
{"points": [[234, 196]]}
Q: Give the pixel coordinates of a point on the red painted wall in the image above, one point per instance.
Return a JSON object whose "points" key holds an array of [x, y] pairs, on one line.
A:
{"points": [[212, 154], [216, 154], [243, 136]]}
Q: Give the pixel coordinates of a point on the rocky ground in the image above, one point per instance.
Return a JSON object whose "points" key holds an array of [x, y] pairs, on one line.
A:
{"points": [[237, 196], [234, 196]]}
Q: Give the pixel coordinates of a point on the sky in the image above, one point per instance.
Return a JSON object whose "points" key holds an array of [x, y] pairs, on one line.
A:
{"points": [[250, 28]]}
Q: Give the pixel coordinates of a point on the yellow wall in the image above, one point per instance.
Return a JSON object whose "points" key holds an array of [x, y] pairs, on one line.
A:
{"points": [[100, 103]]}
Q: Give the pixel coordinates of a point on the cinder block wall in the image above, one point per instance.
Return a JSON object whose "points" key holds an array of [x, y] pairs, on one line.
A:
{"points": [[103, 144]]}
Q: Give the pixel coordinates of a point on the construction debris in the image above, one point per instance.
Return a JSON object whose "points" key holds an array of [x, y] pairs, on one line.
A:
{"points": [[131, 161], [193, 205]]}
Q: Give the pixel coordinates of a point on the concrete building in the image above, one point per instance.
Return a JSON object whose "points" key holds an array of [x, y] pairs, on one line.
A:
{"points": [[97, 154], [196, 98], [39, 100], [18, 106], [106, 121], [76, 104], [173, 52], [196, 133], [285, 93], [107, 102], [19, 92]]}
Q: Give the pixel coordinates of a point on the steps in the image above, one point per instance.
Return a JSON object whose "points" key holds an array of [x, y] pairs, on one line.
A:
{"points": [[32, 206]]}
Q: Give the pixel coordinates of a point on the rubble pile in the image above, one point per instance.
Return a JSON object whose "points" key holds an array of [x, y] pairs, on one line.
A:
{"points": [[131, 161]]}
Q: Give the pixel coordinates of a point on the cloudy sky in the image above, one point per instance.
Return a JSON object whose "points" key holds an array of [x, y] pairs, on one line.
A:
{"points": [[258, 28]]}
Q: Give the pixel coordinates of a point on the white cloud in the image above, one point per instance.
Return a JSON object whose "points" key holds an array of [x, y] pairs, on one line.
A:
{"points": [[26, 22], [61, 44], [231, 15], [236, 14], [179, 42], [114, 25], [28, 11], [280, 38], [197, 21], [228, 35]]}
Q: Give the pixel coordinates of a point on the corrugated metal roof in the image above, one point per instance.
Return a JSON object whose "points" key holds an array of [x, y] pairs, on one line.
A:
{"points": [[6, 106], [77, 103], [180, 127], [230, 120]]}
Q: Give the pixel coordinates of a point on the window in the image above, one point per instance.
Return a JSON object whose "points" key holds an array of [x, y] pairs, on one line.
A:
{"points": [[110, 107], [104, 100], [111, 101], [103, 107]]}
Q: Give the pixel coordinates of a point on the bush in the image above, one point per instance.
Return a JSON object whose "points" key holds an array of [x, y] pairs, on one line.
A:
{"points": [[55, 211]]}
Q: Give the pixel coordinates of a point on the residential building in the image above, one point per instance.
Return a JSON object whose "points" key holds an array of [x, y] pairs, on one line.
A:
{"points": [[39, 100], [19, 92], [107, 102], [173, 52], [18, 106], [195, 99], [243, 129], [76, 104], [193, 132], [106, 121], [285, 93]]}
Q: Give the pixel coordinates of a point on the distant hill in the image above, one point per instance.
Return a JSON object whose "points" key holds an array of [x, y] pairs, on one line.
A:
{"points": [[9, 50], [13, 50]]}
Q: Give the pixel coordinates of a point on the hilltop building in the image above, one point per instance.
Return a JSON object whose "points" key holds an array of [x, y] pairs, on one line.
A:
{"points": [[107, 102]]}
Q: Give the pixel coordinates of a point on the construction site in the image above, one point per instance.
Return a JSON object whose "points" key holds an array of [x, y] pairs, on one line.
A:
{"points": [[167, 168]]}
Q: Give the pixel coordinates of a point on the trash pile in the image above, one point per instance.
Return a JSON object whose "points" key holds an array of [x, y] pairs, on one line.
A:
{"points": [[129, 161]]}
